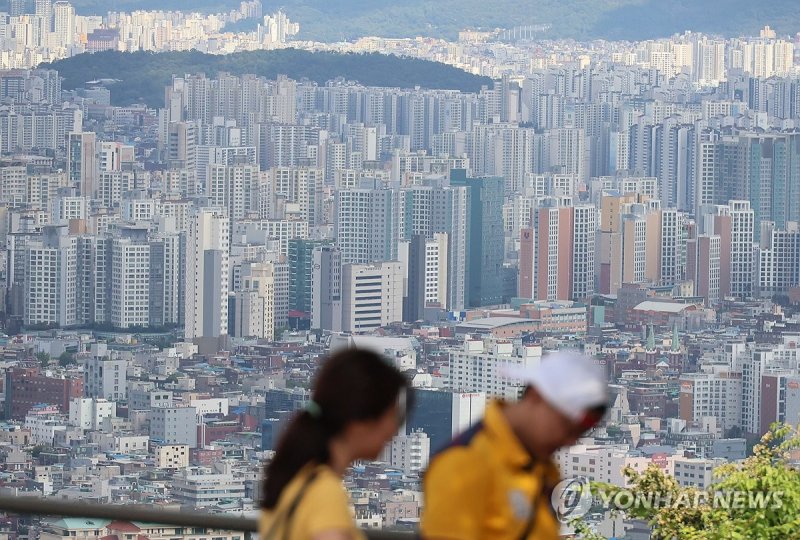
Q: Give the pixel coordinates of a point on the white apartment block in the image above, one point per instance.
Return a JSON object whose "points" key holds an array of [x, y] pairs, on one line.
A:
{"points": [[65, 208], [300, 185], [105, 375], [372, 296], [284, 230], [694, 472], [604, 463], [235, 187], [174, 425], [130, 283], [51, 280], [43, 427], [584, 233], [88, 413], [124, 443], [139, 209], [411, 452], [742, 253], [715, 392], [477, 366], [198, 488], [111, 185], [210, 406], [366, 225], [672, 259], [436, 267], [255, 302], [207, 251]]}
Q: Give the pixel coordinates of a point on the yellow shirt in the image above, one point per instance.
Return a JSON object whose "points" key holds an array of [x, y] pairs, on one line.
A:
{"points": [[486, 486], [323, 507]]}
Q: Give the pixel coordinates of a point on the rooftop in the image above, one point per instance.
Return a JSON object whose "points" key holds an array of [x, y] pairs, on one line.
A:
{"points": [[664, 307], [490, 323]]}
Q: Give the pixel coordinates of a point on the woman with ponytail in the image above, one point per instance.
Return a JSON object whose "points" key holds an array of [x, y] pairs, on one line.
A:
{"points": [[358, 404]]}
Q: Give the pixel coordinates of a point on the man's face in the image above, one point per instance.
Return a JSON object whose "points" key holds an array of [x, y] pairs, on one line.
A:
{"points": [[549, 429]]}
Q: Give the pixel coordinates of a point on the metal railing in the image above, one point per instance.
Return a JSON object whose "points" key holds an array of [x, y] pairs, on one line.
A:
{"points": [[54, 507]]}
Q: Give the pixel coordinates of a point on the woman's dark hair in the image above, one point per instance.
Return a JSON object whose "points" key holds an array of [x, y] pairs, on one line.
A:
{"points": [[353, 385]]}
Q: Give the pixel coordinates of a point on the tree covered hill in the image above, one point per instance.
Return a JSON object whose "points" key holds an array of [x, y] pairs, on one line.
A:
{"points": [[143, 75]]}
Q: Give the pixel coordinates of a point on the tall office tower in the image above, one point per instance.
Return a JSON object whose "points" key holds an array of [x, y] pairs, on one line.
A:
{"points": [[301, 185], [130, 278], [326, 289], [181, 147], [82, 165], [207, 274], [254, 302], [778, 261], [64, 23], [485, 238], [51, 281], [234, 187], [372, 296], [367, 224], [301, 265]]}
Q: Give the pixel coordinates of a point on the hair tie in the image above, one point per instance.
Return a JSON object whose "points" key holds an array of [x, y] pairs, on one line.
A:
{"points": [[313, 409]]}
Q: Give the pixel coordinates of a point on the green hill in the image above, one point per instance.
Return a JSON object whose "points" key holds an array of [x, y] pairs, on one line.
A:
{"points": [[144, 75]]}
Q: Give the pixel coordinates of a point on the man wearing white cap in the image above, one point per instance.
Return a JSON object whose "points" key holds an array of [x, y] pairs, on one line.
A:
{"points": [[495, 480]]}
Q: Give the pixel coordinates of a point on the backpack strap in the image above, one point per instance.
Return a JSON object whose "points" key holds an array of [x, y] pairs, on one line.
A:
{"points": [[287, 516]]}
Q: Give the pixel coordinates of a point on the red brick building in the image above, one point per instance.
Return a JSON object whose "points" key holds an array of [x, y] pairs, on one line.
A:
{"points": [[27, 387]]}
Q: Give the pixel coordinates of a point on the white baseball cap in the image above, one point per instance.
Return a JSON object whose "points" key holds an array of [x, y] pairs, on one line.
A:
{"points": [[570, 381]]}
